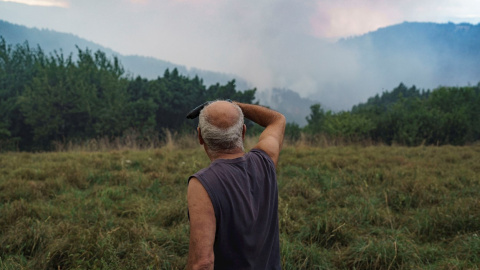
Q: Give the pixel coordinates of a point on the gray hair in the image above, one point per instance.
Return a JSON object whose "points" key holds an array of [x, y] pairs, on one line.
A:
{"points": [[221, 139]]}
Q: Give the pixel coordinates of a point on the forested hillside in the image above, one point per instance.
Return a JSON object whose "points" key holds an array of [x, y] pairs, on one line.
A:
{"points": [[339, 75], [52, 98]]}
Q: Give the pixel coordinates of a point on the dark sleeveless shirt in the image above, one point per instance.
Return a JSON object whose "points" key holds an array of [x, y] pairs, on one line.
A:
{"points": [[244, 196]]}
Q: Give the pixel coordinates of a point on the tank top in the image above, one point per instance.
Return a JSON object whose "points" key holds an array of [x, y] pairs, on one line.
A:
{"points": [[244, 195]]}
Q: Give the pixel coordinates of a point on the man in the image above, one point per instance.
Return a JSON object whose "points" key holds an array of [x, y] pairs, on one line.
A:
{"points": [[233, 203]]}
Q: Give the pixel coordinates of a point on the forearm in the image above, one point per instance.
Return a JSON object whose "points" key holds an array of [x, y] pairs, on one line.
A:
{"points": [[260, 115]]}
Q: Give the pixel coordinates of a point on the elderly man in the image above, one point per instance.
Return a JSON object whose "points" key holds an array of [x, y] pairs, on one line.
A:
{"points": [[233, 203]]}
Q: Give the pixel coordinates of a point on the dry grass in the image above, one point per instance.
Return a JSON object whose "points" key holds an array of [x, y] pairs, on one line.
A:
{"points": [[341, 207]]}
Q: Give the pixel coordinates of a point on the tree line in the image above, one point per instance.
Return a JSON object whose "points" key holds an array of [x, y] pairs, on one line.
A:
{"points": [[56, 98], [405, 116]]}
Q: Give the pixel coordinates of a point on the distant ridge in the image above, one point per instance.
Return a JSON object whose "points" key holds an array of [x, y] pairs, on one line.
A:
{"points": [[135, 65], [340, 75], [447, 53]]}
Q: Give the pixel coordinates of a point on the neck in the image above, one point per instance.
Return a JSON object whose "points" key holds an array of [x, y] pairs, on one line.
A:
{"points": [[225, 155]]}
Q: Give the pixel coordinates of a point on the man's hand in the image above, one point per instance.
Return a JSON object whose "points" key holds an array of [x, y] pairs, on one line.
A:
{"points": [[271, 139]]}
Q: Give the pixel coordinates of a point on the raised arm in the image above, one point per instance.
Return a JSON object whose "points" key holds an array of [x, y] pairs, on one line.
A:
{"points": [[271, 139]]}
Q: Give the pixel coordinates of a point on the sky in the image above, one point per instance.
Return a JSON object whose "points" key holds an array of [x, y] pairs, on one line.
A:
{"points": [[259, 40]]}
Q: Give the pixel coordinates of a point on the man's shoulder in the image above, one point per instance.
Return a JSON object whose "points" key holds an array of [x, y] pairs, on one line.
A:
{"points": [[198, 175], [262, 155], [212, 168]]}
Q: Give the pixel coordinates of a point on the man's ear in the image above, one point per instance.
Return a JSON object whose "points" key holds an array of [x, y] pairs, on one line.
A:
{"points": [[244, 131], [200, 139]]}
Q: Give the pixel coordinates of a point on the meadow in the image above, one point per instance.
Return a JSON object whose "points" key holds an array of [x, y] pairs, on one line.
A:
{"points": [[340, 207]]}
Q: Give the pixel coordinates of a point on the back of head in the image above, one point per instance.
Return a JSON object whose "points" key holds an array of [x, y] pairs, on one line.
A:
{"points": [[221, 126]]}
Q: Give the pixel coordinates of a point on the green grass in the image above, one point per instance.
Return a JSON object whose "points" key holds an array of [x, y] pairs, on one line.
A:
{"points": [[346, 207]]}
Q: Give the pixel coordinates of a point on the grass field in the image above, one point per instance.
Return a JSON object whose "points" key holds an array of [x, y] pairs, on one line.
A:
{"points": [[344, 207]]}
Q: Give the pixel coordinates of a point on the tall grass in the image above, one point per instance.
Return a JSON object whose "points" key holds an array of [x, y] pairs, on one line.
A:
{"points": [[340, 207]]}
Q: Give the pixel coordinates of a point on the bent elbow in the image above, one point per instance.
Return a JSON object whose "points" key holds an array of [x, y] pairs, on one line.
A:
{"points": [[282, 119]]}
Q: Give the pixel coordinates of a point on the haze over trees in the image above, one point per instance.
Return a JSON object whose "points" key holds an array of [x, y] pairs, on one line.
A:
{"points": [[54, 98], [339, 75], [48, 98], [134, 65]]}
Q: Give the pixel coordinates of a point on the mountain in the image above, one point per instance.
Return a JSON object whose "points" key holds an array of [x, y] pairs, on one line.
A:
{"points": [[351, 70], [134, 65], [423, 53], [306, 69], [286, 101], [427, 55]]}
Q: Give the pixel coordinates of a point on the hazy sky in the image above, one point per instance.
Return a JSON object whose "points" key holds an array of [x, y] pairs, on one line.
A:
{"points": [[249, 38]]}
